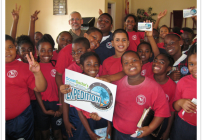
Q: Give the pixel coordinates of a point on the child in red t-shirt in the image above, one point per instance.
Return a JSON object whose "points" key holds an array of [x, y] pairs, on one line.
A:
{"points": [[144, 50], [185, 127], [63, 39], [19, 115], [134, 37], [162, 64], [135, 93], [48, 111], [120, 42]]}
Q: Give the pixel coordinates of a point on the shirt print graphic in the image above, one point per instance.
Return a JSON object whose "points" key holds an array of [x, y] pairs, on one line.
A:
{"points": [[12, 73], [134, 37], [53, 72], [141, 99], [109, 45]]}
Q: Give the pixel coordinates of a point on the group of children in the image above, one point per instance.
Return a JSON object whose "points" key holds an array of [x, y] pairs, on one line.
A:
{"points": [[144, 70]]}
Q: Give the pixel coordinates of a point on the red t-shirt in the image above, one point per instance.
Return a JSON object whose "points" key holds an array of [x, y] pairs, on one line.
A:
{"points": [[55, 55], [186, 89], [51, 93], [134, 38], [161, 45], [131, 100], [147, 69], [18, 79], [111, 66], [169, 88], [31, 94], [64, 59]]}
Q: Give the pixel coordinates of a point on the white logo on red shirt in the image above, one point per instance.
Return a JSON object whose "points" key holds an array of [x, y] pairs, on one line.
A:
{"points": [[134, 37], [53, 72], [143, 72], [12, 73], [141, 99], [109, 45], [167, 97]]}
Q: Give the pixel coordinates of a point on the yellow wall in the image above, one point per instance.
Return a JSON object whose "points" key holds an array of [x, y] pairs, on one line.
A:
{"points": [[24, 17], [161, 5]]}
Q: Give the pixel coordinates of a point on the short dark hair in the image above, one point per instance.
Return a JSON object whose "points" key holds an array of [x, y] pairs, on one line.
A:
{"points": [[93, 29], [165, 26], [64, 32], [108, 16], [38, 32], [24, 39], [145, 43], [174, 34], [128, 52], [46, 38], [86, 55], [130, 15], [170, 58], [8, 37], [192, 50], [119, 31], [82, 40]]}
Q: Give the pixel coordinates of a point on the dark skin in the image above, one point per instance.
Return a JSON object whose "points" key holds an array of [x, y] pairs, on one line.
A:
{"points": [[104, 24]]}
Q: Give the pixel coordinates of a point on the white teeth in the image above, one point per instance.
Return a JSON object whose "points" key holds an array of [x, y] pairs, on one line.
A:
{"points": [[142, 56], [121, 47], [156, 68], [46, 57], [132, 68], [170, 50], [92, 71]]}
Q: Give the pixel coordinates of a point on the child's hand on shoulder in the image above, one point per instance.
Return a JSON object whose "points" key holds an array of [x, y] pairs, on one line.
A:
{"points": [[162, 14], [175, 75], [33, 65], [15, 13], [187, 105], [64, 89], [146, 131], [94, 116]]}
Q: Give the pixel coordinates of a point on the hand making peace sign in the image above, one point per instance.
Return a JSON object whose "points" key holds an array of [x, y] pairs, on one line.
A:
{"points": [[33, 65]]}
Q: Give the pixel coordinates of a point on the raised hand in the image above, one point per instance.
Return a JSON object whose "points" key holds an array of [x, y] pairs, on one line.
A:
{"points": [[162, 14], [100, 12], [33, 65], [15, 13], [34, 17], [148, 33]]}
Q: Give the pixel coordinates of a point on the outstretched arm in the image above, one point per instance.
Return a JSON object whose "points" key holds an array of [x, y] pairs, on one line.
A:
{"points": [[160, 15], [32, 26], [15, 14]]}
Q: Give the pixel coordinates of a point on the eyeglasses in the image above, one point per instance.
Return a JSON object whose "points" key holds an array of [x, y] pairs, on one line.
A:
{"points": [[170, 44], [75, 19], [79, 52]]}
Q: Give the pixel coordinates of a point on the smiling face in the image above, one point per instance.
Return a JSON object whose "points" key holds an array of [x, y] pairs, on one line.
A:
{"points": [[172, 44], [163, 32], [45, 52], [10, 51], [94, 38], [37, 37], [77, 50], [131, 64], [120, 42], [161, 65], [187, 39], [144, 52], [104, 24], [63, 40], [75, 21], [130, 23], [24, 49], [91, 66], [192, 65]]}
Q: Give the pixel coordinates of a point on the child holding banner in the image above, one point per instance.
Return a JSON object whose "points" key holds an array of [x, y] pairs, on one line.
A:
{"points": [[129, 105]]}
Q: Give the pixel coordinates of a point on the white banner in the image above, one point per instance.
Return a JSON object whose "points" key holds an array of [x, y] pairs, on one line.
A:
{"points": [[90, 94]]}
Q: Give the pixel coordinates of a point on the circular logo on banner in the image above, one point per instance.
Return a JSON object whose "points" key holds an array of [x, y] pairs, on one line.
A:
{"points": [[53, 72], [109, 45], [59, 122], [148, 26], [141, 99], [134, 37], [104, 92], [193, 11], [12, 73], [184, 70], [167, 97], [143, 72]]}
